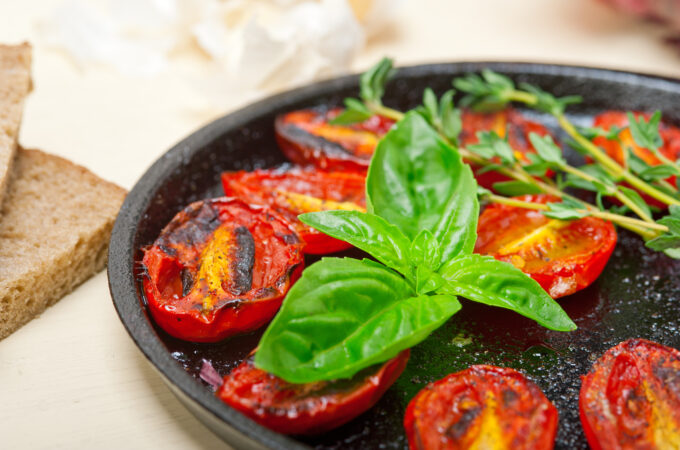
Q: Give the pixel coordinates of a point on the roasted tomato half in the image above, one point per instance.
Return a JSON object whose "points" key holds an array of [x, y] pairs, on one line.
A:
{"points": [[220, 268], [669, 134], [631, 398], [309, 408], [482, 407], [296, 191], [562, 256], [508, 122], [306, 137]]}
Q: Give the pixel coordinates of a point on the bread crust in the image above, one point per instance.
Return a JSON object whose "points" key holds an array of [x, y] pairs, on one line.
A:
{"points": [[54, 233], [15, 84]]}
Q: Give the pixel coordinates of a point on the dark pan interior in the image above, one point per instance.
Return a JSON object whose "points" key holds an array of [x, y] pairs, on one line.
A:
{"points": [[637, 295]]}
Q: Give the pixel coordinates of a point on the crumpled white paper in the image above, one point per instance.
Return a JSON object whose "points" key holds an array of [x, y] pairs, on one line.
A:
{"points": [[252, 45]]}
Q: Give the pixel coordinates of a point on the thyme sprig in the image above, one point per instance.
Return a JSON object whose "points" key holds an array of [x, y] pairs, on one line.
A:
{"points": [[490, 91], [536, 98]]}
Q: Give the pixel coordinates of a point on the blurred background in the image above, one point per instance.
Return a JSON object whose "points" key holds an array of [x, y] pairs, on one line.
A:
{"points": [[118, 82]]}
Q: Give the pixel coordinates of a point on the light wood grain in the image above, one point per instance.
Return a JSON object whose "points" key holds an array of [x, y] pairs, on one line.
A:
{"points": [[73, 378]]}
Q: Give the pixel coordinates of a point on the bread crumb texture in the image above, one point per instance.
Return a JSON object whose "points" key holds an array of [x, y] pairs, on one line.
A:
{"points": [[54, 232], [15, 84]]}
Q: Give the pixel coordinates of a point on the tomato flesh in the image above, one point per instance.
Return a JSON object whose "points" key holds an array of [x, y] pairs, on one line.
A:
{"points": [[296, 191], [508, 122], [309, 408], [307, 137], [220, 268], [481, 407], [670, 147], [630, 399], [562, 256]]}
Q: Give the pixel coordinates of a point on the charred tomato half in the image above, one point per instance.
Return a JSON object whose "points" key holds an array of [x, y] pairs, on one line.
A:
{"points": [[481, 407], [562, 256], [221, 267], [296, 191], [631, 398], [309, 408], [306, 137]]}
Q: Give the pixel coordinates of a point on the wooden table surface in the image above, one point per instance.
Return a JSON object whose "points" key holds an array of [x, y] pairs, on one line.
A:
{"points": [[73, 378]]}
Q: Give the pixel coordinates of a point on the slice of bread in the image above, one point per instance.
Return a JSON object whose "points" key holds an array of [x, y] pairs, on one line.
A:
{"points": [[54, 233], [15, 84]]}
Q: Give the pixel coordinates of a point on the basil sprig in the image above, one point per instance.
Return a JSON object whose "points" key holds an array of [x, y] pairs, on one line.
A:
{"points": [[344, 315]]}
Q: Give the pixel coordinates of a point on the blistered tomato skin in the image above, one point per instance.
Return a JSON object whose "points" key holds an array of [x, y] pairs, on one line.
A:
{"points": [[220, 268], [631, 398], [295, 191], [306, 137], [310, 408], [482, 407], [614, 148], [508, 123], [562, 256]]}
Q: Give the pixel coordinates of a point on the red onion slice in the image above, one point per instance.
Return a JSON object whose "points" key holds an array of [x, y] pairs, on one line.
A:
{"points": [[210, 375]]}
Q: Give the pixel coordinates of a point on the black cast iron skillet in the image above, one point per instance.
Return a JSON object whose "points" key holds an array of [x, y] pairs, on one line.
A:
{"points": [[636, 296]]}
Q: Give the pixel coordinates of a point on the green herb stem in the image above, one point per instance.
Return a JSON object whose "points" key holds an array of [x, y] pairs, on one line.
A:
{"points": [[667, 185], [385, 111], [648, 189], [633, 207], [612, 166], [600, 156], [522, 97], [613, 192], [596, 152], [623, 221], [661, 157]]}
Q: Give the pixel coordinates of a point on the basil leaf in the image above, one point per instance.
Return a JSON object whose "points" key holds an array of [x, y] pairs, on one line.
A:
{"points": [[343, 315], [368, 232], [485, 280], [427, 280], [515, 188], [417, 181]]}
